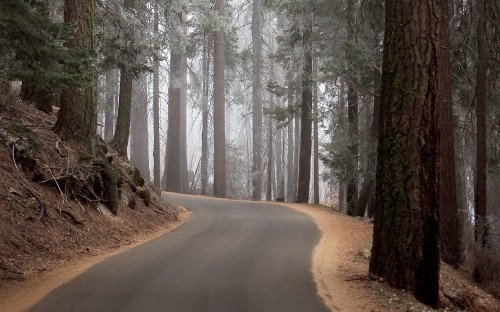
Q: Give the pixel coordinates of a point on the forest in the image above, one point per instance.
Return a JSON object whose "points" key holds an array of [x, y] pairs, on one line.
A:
{"points": [[386, 110]]}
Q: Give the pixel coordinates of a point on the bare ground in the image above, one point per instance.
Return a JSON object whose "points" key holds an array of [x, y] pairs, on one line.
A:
{"points": [[340, 269]]}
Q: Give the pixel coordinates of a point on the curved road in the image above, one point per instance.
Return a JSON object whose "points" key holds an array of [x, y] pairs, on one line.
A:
{"points": [[230, 256]]}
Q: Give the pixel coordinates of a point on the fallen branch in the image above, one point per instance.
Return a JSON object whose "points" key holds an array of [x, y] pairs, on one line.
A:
{"points": [[359, 278], [73, 218]]}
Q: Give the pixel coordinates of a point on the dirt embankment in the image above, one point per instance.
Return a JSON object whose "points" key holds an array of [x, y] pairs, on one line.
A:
{"points": [[54, 221]]}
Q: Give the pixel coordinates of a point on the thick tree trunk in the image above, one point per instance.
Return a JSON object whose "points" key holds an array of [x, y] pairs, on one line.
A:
{"points": [[480, 191], [352, 117], [449, 225], [306, 120], [122, 130], [77, 120], [256, 103], [405, 250], [482, 71], [219, 109], [176, 136]]}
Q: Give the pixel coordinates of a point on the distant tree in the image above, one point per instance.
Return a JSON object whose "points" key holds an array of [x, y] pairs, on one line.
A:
{"points": [[156, 101], [219, 107], [139, 141], [256, 101], [205, 112], [405, 250], [176, 179]]}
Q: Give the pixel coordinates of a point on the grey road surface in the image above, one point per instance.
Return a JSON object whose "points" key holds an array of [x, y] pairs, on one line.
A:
{"points": [[230, 256]]}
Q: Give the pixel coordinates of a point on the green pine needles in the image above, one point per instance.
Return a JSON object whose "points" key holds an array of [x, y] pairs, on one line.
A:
{"points": [[32, 47]]}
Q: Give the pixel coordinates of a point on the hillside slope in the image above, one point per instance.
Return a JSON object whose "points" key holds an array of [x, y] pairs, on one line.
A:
{"points": [[51, 200]]}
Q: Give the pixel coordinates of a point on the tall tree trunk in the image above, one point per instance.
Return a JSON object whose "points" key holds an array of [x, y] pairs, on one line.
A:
{"points": [[482, 227], [270, 156], [139, 143], [204, 130], [219, 108], [316, 132], [368, 189], [296, 146], [482, 71], [449, 225], [352, 117], [109, 117], [122, 130], [256, 103], [77, 119], [290, 162], [290, 144], [176, 136], [156, 105], [306, 108], [405, 250], [280, 170]]}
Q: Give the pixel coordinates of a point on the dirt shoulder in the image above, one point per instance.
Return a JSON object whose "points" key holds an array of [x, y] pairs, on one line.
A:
{"points": [[340, 269], [22, 295]]}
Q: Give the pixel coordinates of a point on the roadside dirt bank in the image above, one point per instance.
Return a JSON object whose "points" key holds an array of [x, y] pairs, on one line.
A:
{"points": [[23, 295], [340, 269]]}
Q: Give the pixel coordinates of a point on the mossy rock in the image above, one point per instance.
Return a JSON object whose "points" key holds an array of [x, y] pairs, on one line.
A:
{"points": [[138, 180], [144, 194]]}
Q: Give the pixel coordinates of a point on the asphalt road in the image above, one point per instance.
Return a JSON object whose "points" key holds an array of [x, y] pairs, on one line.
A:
{"points": [[230, 256]]}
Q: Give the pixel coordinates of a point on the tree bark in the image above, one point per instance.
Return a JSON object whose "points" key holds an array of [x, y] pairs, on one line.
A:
{"points": [[122, 130], [481, 234], [176, 137], [219, 108], [352, 117], [405, 250], [449, 224], [77, 119], [306, 118]]}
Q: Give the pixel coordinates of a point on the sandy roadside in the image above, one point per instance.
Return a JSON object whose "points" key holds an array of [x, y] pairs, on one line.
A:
{"points": [[340, 259]]}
